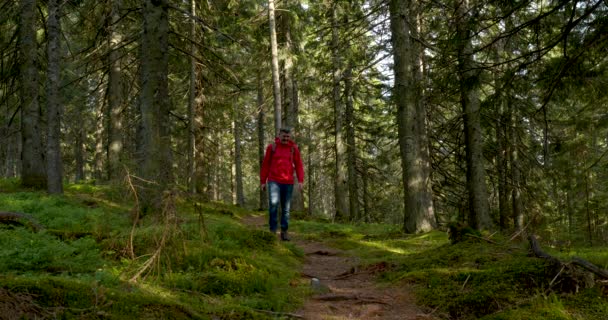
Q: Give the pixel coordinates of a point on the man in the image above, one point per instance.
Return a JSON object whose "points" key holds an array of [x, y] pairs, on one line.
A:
{"points": [[280, 160]]}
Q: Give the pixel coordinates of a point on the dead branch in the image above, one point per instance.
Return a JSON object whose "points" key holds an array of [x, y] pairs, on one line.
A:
{"points": [[135, 209], [19, 218], [523, 230], [168, 213], [590, 267], [539, 253], [465, 282], [567, 270], [480, 238]]}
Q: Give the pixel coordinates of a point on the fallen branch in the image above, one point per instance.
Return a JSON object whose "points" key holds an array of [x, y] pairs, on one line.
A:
{"points": [[520, 232], [18, 218], [465, 282], [480, 238], [539, 253], [590, 267], [567, 270]]}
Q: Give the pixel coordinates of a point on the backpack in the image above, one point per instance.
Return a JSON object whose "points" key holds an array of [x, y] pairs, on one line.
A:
{"points": [[274, 147]]}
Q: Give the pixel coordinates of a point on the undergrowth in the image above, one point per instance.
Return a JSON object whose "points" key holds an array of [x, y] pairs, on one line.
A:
{"points": [[88, 262], [472, 279]]}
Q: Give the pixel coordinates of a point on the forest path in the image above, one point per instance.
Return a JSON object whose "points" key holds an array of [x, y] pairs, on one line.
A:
{"points": [[345, 290]]}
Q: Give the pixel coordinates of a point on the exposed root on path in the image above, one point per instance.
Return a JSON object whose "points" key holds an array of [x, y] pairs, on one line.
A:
{"points": [[345, 289]]}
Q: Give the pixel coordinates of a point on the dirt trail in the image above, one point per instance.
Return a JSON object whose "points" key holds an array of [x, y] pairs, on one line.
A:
{"points": [[345, 291]]}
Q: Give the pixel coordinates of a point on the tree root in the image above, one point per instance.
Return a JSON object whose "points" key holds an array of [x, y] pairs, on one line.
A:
{"points": [[571, 276], [343, 297]]}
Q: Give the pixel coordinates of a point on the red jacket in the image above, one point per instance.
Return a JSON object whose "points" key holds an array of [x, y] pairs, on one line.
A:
{"points": [[278, 166]]}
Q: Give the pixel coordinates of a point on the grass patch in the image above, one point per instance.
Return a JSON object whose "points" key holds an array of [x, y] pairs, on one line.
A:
{"points": [[79, 266]]}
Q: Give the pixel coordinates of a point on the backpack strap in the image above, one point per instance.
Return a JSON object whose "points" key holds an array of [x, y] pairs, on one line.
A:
{"points": [[274, 148]]}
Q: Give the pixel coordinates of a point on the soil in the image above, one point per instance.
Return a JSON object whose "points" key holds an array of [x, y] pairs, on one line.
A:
{"points": [[345, 289]]}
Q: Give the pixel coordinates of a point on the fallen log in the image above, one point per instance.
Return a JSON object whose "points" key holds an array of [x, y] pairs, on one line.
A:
{"points": [[572, 277], [590, 267], [20, 219]]}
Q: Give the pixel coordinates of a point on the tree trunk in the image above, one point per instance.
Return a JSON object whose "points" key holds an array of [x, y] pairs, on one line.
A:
{"points": [[53, 143], [276, 84], [240, 195], [365, 178], [311, 172], [501, 166], [33, 174], [115, 95], [588, 210], [154, 104], [479, 211], [351, 151], [290, 98], [340, 186], [518, 214], [263, 197], [503, 129], [190, 170], [98, 158], [291, 118], [426, 218], [419, 213], [79, 137]]}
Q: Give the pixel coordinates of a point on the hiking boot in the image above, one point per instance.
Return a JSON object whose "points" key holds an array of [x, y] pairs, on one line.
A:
{"points": [[284, 236]]}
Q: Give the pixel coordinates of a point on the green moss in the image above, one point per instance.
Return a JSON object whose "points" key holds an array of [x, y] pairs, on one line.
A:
{"points": [[76, 299], [23, 251]]}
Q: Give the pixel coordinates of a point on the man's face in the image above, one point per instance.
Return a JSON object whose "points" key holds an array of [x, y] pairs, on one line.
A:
{"points": [[285, 137]]}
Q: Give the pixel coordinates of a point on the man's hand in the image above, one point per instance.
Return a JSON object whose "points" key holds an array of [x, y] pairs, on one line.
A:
{"points": [[300, 186], [263, 187]]}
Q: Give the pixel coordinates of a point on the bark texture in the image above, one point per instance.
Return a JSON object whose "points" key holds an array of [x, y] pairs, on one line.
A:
{"points": [[33, 172], [190, 171], [419, 212], [114, 94], [340, 183], [154, 105], [276, 82], [479, 211], [238, 159], [53, 105], [263, 196], [351, 151]]}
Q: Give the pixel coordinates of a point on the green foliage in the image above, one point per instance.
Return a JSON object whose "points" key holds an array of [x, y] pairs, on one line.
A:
{"points": [[24, 251], [80, 262], [69, 215], [235, 237], [70, 298]]}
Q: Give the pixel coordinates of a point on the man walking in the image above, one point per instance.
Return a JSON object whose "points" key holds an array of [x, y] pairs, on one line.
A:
{"points": [[280, 160]]}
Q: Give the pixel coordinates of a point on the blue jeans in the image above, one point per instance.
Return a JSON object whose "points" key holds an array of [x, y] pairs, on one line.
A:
{"points": [[279, 193]]}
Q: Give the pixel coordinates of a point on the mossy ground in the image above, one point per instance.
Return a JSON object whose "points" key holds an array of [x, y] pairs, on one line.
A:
{"points": [[80, 266], [472, 279]]}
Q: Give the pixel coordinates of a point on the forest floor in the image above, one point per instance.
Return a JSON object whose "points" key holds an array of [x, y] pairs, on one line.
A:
{"points": [[346, 290]]}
